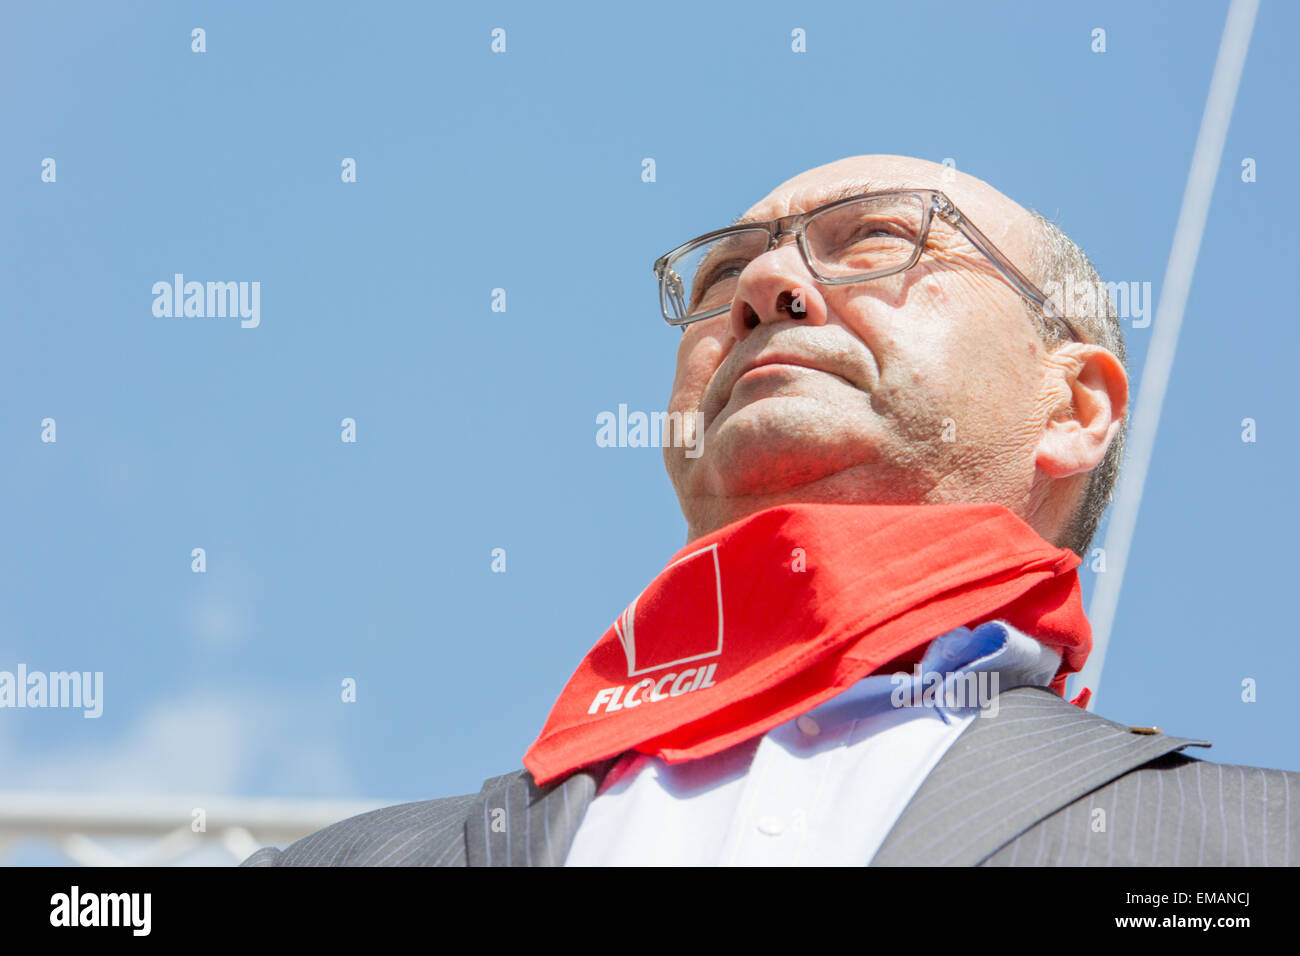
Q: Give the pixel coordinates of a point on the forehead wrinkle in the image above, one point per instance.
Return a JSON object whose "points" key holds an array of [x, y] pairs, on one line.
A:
{"points": [[948, 247], [832, 194]]}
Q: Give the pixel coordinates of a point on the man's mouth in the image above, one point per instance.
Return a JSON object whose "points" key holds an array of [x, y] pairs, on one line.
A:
{"points": [[774, 365]]}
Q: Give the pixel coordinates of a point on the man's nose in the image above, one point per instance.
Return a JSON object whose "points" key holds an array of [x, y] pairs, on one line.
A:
{"points": [[774, 287]]}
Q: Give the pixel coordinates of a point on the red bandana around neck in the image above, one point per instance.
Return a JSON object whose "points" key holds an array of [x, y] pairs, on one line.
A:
{"points": [[764, 619]]}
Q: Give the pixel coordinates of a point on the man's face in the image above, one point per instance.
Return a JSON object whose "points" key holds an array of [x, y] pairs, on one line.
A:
{"points": [[926, 386]]}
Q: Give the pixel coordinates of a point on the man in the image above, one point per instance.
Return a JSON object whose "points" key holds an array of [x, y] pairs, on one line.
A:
{"points": [[898, 440]]}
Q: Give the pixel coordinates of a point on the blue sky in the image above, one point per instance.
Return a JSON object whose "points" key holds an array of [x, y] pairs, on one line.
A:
{"points": [[476, 429]]}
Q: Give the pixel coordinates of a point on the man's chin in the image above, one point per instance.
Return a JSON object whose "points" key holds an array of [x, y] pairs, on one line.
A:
{"points": [[738, 463]]}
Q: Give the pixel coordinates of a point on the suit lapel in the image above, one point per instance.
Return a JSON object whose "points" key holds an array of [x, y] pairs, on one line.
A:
{"points": [[1002, 775], [1006, 772], [516, 823]]}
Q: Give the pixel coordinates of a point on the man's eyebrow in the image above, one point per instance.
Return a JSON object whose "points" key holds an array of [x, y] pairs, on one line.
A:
{"points": [[843, 191]]}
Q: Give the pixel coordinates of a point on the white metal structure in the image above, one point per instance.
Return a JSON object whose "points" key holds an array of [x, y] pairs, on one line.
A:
{"points": [[1206, 159], [159, 831]]}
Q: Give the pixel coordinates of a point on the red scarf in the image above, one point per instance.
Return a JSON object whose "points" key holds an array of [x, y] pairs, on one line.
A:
{"points": [[762, 620]]}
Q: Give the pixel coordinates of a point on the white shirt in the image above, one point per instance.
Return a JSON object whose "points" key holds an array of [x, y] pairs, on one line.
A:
{"points": [[823, 789]]}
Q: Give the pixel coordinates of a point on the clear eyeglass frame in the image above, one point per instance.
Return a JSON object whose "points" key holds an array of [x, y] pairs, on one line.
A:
{"points": [[933, 203]]}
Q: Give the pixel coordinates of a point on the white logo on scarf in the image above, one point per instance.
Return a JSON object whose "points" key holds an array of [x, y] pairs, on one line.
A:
{"points": [[625, 626]]}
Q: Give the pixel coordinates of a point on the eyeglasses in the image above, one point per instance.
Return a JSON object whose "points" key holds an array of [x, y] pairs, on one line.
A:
{"points": [[850, 240]]}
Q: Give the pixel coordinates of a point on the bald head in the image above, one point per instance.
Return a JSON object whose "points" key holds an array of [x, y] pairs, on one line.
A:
{"points": [[1009, 224], [928, 386]]}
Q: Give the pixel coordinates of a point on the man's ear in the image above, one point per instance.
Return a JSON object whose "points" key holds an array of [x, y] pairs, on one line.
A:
{"points": [[1086, 393]]}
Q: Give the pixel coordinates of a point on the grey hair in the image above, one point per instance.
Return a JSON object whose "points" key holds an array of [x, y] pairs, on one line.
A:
{"points": [[1056, 257]]}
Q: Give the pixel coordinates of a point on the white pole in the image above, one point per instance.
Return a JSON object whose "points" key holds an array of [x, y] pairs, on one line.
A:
{"points": [[1167, 323]]}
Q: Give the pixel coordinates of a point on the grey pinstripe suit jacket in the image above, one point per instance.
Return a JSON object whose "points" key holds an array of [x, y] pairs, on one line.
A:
{"points": [[1042, 782]]}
